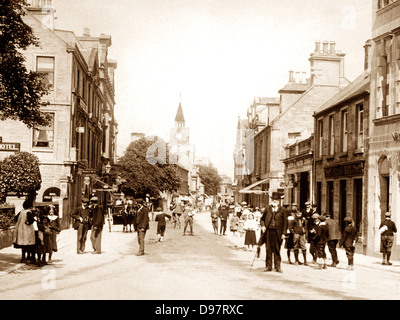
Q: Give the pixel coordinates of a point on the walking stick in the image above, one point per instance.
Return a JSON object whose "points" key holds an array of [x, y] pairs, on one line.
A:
{"points": [[257, 255]]}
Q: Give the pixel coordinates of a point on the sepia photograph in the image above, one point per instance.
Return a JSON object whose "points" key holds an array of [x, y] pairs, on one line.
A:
{"points": [[199, 155]]}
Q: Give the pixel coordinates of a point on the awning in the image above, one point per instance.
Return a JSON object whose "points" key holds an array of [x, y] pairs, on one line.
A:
{"points": [[255, 188]]}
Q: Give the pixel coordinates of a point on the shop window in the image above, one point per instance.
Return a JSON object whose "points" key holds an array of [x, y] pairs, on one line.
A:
{"points": [[331, 137], [344, 130], [320, 126], [360, 125]]}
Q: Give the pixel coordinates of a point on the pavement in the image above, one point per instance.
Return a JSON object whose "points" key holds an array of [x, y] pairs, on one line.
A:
{"points": [[10, 257]]}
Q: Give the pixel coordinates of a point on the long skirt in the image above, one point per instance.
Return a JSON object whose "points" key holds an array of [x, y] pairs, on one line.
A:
{"points": [[250, 238]]}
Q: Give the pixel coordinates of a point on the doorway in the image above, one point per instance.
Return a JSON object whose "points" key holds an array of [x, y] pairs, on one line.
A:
{"points": [[384, 181], [329, 193], [342, 203], [358, 203]]}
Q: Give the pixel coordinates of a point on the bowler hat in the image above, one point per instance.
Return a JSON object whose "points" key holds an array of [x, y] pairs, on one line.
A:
{"points": [[275, 196], [348, 219]]}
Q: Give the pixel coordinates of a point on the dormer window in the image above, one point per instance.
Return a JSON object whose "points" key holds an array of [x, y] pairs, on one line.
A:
{"points": [[40, 3]]}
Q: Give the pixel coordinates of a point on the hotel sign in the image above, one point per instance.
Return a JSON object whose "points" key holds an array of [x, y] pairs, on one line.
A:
{"points": [[10, 147], [350, 169]]}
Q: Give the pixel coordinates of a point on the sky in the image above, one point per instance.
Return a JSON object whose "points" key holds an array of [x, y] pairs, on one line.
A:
{"points": [[214, 55]]}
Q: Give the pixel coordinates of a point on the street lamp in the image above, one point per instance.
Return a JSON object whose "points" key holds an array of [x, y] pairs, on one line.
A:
{"points": [[107, 168]]}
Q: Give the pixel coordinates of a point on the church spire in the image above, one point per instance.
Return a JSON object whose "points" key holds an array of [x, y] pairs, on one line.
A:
{"points": [[179, 119]]}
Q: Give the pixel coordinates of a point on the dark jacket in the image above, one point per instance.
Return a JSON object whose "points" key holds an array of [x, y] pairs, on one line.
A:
{"points": [[334, 230], [391, 227], [142, 219], [97, 217], [81, 213], [280, 220], [224, 214], [298, 226], [349, 235], [160, 218], [321, 234]]}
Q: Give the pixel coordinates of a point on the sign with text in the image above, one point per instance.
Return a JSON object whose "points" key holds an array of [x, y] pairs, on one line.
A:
{"points": [[10, 147], [350, 169]]}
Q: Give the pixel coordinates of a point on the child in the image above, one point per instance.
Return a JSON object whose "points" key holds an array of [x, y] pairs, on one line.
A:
{"points": [[44, 235], [214, 220], [250, 227], [55, 229], [161, 223], [388, 228], [348, 241], [234, 223], [320, 239]]}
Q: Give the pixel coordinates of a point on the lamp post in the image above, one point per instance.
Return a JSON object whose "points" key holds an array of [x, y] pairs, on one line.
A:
{"points": [[107, 170]]}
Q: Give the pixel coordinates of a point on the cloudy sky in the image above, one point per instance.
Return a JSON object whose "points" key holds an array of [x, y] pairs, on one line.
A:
{"points": [[219, 54]]}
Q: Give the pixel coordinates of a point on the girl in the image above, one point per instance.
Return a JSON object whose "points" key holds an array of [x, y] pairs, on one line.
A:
{"points": [[250, 227]]}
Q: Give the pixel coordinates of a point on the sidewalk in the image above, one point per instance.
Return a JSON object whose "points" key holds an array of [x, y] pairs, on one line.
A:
{"points": [[10, 257]]}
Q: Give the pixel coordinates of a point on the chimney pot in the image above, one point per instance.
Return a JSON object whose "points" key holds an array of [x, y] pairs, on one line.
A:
{"points": [[317, 46], [86, 32], [291, 77], [333, 47], [325, 46]]}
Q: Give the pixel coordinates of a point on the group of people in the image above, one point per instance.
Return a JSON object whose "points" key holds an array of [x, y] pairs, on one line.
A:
{"points": [[179, 209], [91, 216], [36, 233]]}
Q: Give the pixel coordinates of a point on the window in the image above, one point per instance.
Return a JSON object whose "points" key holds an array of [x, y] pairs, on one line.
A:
{"points": [[331, 145], [320, 126], [344, 130], [43, 137], [45, 66], [360, 125], [384, 3]]}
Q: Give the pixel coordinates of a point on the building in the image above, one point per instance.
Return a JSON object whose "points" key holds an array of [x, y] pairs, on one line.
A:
{"points": [[383, 163], [299, 98], [340, 127], [76, 146]]}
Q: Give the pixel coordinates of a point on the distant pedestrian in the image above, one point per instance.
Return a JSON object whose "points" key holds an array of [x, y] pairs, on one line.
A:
{"points": [[161, 223], [188, 218], [388, 228], [177, 213], [298, 228], [223, 216], [55, 227], [289, 244], [333, 238], [24, 237], [82, 216], [348, 241], [214, 220], [320, 239], [250, 227], [98, 215], [142, 225], [311, 231], [234, 223], [46, 246]]}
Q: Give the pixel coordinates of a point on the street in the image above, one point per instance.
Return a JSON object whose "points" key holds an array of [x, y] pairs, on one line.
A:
{"points": [[199, 267]]}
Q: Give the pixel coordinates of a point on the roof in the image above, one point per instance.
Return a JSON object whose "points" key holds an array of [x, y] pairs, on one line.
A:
{"points": [[293, 86], [360, 85], [263, 100], [179, 114]]}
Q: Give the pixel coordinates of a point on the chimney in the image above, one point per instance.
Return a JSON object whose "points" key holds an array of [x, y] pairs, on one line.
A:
{"points": [[325, 46], [291, 76], [367, 54], [298, 77], [86, 32], [317, 46], [332, 47]]}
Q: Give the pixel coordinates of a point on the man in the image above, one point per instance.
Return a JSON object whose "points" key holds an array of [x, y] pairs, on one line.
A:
{"points": [[223, 216], [142, 225], [188, 216], [298, 228], [348, 241], [388, 228], [333, 237], [177, 212], [82, 217], [312, 226], [98, 214], [273, 226]]}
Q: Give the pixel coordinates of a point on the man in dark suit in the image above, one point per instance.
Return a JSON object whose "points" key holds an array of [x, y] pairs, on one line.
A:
{"points": [[274, 225], [97, 224], [81, 216], [142, 224], [223, 215]]}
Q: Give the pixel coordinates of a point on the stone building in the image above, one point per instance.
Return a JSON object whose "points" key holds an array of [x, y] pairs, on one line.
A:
{"points": [[75, 147], [339, 155], [383, 163], [299, 98]]}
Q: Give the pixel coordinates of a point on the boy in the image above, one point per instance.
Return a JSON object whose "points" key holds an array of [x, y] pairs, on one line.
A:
{"points": [[348, 241], [161, 223], [387, 237]]}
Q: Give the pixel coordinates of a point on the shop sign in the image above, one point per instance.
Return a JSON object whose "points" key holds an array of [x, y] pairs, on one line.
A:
{"points": [[10, 147], [351, 169]]}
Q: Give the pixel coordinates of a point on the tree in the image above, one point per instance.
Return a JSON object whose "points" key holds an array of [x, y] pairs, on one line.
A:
{"points": [[210, 178], [21, 91], [142, 175], [19, 174]]}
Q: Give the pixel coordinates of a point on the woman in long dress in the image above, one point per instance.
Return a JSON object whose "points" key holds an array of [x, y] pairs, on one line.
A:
{"points": [[24, 237], [250, 227]]}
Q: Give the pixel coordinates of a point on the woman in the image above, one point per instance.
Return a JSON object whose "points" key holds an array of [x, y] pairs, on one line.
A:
{"points": [[234, 223], [25, 234], [55, 228], [250, 227]]}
